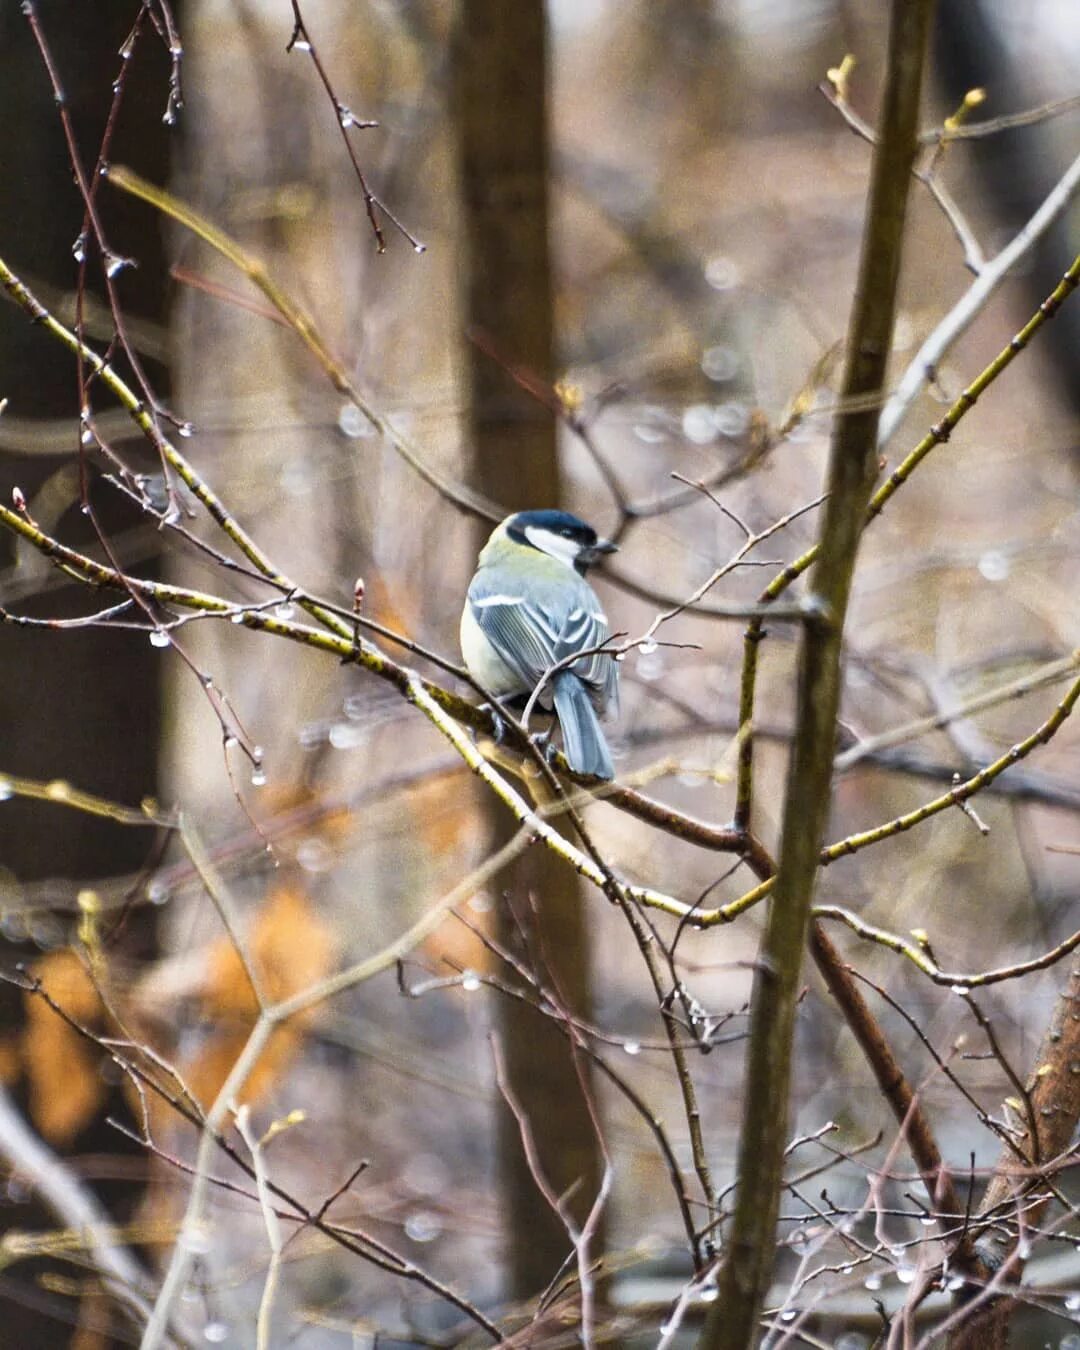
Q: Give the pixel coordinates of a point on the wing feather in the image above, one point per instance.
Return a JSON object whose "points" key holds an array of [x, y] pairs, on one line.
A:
{"points": [[532, 635]]}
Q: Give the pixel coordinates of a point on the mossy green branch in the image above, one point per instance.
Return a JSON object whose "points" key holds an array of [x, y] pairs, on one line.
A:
{"points": [[747, 1267], [938, 434]]}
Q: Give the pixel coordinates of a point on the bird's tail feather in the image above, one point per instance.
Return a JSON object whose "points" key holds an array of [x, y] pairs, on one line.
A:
{"points": [[586, 748]]}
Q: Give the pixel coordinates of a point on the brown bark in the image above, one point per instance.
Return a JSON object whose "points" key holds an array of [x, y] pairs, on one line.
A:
{"points": [[1054, 1093], [500, 75]]}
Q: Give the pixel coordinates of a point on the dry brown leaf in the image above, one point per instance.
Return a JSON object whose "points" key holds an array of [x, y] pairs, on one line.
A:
{"points": [[61, 1067], [290, 949]]}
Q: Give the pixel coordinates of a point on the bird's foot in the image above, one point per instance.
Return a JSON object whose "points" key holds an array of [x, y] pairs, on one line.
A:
{"points": [[498, 722], [542, 741]]}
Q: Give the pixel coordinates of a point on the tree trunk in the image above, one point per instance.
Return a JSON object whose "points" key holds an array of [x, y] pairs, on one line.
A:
{"points": [[500, 75]]}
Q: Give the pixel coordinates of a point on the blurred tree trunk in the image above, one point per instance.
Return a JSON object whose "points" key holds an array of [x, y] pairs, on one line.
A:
{"points": [[500, 109], [85, 708]]}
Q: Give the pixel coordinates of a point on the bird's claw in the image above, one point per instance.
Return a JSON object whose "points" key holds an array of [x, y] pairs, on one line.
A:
{"points": [[498, 722], [542, 742]]}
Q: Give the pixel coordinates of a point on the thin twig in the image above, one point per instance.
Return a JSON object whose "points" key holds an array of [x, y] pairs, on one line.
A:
{"points": [[923, 366]]}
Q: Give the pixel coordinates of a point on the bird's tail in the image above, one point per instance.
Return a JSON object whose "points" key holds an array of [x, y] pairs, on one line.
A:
{"points": [[586, 749]]}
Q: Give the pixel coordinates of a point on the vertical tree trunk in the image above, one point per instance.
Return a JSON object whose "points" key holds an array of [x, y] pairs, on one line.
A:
{"points": [[84, 709], [500, 75]]}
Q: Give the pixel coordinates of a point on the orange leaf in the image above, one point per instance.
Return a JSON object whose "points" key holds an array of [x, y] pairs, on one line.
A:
{"points": [[62, 1068]]}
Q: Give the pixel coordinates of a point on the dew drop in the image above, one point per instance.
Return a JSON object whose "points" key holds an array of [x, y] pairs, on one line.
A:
{"points": [[217, 1333], [961, 990], [423, 1226], [647, 647], [301, 45], [115, 264], [78, 249], [873, 1280], [731, 419], [650, 435], [994, 565], [186, 430], [314, 856], [720, 364], [6, 790], [258, 777], [157, 892], [285, 611], [721, 273], [632, 1047], [905, 1272], [1072, 1303], [419, 248], [159, 638], [352, 422], [344, 736], [698, 424], [470, 981]]}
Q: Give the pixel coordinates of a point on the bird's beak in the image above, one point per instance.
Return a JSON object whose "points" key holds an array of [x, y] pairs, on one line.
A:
{"points": [[597, 551]]}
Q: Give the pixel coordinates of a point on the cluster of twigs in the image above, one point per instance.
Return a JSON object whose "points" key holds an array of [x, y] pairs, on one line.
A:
{"points": [[978, 1253]]}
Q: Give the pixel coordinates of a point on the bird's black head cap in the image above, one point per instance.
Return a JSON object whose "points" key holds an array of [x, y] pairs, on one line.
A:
{"points": [[556, 522]]}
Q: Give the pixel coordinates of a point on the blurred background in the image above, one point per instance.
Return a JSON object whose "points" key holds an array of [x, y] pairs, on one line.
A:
{"points": [[705, 203]]}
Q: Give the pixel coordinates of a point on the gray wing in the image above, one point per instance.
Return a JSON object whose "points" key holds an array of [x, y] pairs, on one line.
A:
{"points": [[532, 635]]}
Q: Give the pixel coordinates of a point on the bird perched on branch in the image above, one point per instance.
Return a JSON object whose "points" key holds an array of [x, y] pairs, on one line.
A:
{"points": [[529, 611]]}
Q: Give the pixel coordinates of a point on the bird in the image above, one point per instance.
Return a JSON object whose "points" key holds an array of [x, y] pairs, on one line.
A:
{"points": [[529, 609]]}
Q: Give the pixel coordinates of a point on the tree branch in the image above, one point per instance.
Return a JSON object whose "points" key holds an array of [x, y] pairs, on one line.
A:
{"points": [[745, 1274]]}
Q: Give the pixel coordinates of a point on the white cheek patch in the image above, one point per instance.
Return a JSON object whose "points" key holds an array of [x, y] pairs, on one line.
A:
{"points": [[554, 545]]}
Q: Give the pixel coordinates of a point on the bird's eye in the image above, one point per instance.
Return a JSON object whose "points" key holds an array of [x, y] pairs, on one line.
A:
{"points": [[567, 534]]}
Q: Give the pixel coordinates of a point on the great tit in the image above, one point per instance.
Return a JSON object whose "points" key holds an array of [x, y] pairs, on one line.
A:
{"points": [[528, 608]]}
